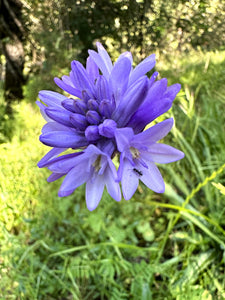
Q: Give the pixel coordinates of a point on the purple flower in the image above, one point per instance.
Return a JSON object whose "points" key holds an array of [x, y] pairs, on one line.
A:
{"points": [[139, 153], [106, 102], [91, 166]]}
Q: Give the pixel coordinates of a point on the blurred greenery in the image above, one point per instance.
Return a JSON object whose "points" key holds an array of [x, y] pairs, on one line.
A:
{"points": [[155, 246]]}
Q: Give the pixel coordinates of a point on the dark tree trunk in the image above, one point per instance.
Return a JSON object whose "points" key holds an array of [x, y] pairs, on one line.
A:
{"points": [[12, 36], [14, 79]]}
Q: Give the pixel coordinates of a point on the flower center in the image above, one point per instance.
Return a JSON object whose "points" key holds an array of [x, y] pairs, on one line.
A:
{"points": [[91, 117], [135, 152], [97, 163]]}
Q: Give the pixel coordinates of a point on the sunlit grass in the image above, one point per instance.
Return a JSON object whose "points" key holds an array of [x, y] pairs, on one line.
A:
{"points": [[168, 246]]}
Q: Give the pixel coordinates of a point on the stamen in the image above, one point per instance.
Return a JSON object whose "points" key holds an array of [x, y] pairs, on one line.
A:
{"points": [[135, 152], [97, 163]]}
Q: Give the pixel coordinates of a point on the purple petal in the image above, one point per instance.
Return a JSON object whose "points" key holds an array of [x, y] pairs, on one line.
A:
{"points": [[129, 180], [94, 190], [140, 119], [68, 88], [163, 154], [54, 126], [138, 124], [92, 104], [154, 133], [51, 98], [59, 115], [172, 91], [112, 186], [92, 69], [123, 137], [63, 139], [42, 110], [76, 177], [49, 156], [103, 164], [54, 177], [107, 146], [107, 128], [68, 104], [99, 62], [126, 54], [152, 178], [67, 80], [106, 108], [153, 78], [93, 117], [105, 56], [157, 90], [119, 77], [92, 133], [92, 153], [80, 77], [92, 149], [130, 102], [64, 163], [41, 105], [103, 89], [158, 100], [141, 69], [80, 106], [79, 121], [151, 107]]}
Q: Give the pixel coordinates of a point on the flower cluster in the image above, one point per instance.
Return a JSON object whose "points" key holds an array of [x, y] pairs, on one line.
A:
{"points": [[105, 114]]}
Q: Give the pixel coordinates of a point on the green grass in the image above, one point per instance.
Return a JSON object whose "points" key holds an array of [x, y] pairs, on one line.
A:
{"points": [[168, 246]]}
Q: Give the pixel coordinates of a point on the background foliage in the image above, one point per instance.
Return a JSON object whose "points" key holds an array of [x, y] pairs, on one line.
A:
{"points": [[168, 246]]}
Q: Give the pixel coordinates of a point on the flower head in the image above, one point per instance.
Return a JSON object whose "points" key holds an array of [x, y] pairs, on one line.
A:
{"points": [[106, 111]]}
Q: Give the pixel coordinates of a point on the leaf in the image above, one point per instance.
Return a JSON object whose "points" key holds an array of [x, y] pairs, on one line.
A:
{"points": [[220, 187], [197, 265], [146, 292]]}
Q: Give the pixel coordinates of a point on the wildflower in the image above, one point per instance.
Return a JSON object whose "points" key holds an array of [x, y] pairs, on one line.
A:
{"points": [[139, 153], [91, 166], [105, 102]]}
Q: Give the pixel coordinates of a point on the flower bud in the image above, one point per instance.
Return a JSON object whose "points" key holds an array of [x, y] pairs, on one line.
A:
{"points": [[79, 121], [91, 133], [93, 117], [80, 107], [106, 108], [107, 128], [92, 104]]}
